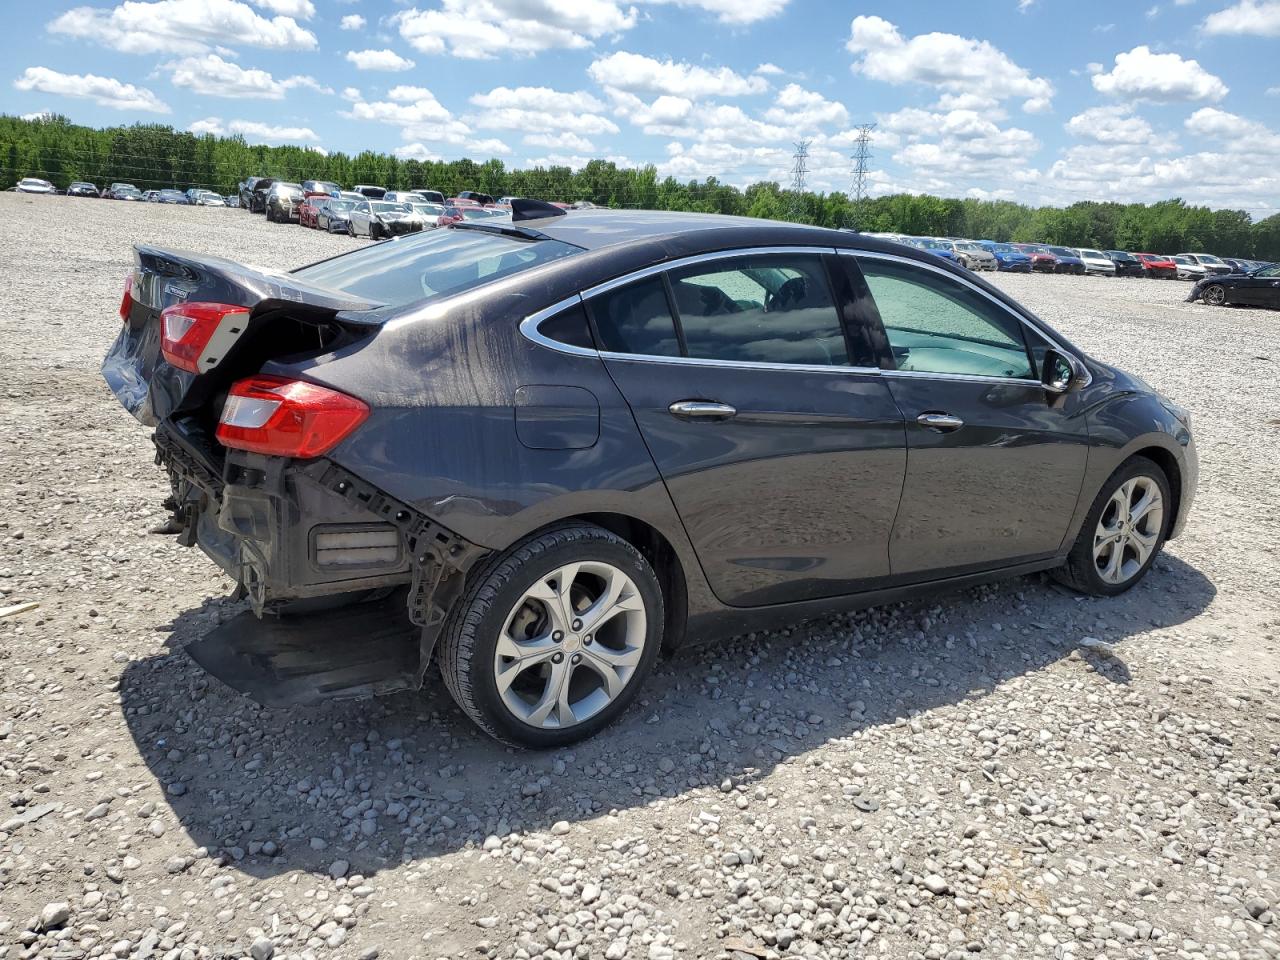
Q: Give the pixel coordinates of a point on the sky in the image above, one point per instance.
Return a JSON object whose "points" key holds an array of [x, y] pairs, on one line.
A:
{"points": [[1038, 101]]}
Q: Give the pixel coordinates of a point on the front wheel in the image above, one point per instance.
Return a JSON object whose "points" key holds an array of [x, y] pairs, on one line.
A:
{"points": [[554, 638], [1123, 532], [1215, 295]]}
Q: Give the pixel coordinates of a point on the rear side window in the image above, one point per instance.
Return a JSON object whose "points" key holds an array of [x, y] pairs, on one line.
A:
{"points": [[774, 308], [431, 264], [938, 325], [636, 319], [569, 327]]}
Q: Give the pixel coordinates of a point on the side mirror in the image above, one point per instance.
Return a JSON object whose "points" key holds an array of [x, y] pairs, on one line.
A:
{"points": [[1062, 372]]}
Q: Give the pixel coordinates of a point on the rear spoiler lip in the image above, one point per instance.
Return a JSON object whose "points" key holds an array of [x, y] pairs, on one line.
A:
{"points": [[252, 287]]}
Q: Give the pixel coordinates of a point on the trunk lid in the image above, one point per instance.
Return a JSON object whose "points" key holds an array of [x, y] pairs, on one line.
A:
{"points": [[287, 317]]}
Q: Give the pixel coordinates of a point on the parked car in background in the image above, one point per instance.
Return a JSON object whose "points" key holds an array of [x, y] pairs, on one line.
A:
{"points": [[939, 248], [482, 429], [1158, 266], [151, 196], [309, 210], [429, 212], [1068, 262], [970, 255], [351, 195], [320, 188], [1008, 258], [461, 202], [431, 196], [1187, 268], [380, 220], [81, 188], [129, 192], [1235, 263], [35, 185], [332, 216], [232, 199], [1126, 264], [1042, 261], [173, 196], [204, 198], [370, 192], [1095, 261], [475, 197], [253, 193], [1213, 266], [1258, 288], [282, 201], [112, 192]]}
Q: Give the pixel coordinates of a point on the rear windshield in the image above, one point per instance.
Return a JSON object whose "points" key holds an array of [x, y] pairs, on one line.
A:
{"points": [[432, 264]]}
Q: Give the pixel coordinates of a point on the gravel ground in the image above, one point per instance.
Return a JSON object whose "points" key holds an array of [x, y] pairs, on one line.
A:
{"points": [[936, 779]]}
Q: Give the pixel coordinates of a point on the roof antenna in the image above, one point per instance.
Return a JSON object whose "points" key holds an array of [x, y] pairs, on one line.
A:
{"points": [[523, 209]]}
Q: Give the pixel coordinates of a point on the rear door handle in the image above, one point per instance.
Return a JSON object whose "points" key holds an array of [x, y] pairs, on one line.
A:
{"points": [[701, 410], [941, 422]]}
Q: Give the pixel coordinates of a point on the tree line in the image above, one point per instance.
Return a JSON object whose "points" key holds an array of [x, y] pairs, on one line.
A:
{"points": [[153, 156]]}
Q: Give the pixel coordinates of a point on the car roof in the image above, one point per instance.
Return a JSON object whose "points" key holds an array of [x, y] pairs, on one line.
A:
{"points": [[598, 228]]}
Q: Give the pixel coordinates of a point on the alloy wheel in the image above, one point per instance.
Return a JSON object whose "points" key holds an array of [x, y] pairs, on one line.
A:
{"points": [[570, 645], [1214, 295], [1129, 530]]}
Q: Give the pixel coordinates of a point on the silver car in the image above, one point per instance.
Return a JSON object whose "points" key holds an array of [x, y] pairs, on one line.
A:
{"points": [[970, 255]]}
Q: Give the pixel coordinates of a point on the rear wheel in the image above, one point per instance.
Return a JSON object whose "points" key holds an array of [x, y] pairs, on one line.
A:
{"points": [[1215, 295], [554, 638], [1123, 532]]}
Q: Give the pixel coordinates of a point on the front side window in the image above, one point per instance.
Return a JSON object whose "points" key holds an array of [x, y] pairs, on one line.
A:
{"points": [[936, 324], [774, 308]]}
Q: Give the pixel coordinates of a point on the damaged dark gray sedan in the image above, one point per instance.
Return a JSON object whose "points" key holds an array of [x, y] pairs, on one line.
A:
{"points": [[537, 451]]}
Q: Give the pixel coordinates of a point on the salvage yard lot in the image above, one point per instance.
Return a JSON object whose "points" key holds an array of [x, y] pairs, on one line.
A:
{"points": [[933, 779]]}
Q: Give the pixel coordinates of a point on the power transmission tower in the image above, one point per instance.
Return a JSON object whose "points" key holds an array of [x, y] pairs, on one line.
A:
{"points": [[799, 169], [861, 156]]}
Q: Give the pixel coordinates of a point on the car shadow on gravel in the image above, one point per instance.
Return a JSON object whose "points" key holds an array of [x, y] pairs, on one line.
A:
{"points": [[377, 783]]}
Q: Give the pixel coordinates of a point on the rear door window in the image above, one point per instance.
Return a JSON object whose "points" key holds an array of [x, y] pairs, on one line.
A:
{"points": [[770, 308], [636, 318]]}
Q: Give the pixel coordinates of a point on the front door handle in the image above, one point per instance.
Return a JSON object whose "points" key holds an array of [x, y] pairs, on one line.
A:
{"points": [[701, 410], [941, 422]]}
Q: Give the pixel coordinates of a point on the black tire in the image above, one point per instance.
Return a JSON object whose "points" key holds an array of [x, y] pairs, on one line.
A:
{"points": [[1080, 572], [468, 646], [1215, 295]]}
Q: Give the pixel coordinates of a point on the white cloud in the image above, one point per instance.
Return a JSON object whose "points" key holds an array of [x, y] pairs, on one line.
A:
{"points": [[534, 98], [768, 69], [212, 76], [1260, 18], [104, 91], [1160, 77], [39, 115], [254, 131], [1116, 125], [942, 142], [635, 73], [353, 21], [483, 29], [303, 9], [420, 108], [181, 26], [416, 151], [352, 94], [944, 60], [387, 60], [804, 110], [267, 133], [736, 12], [560, 141], [541, 110]]}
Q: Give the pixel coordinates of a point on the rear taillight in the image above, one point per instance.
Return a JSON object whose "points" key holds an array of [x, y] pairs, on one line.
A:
{"points": [[187, 333], [287, 418], [126, 301]]}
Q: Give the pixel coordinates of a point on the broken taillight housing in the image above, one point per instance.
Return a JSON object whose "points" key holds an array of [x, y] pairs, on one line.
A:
{"points": [[126, 300], [287, 418], [186, 330]]}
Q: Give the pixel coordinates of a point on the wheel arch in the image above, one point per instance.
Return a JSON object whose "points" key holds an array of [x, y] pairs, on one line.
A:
{"points": [[1163, 458]]}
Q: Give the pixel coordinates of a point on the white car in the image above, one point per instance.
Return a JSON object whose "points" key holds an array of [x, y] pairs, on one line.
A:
{"points": [[1095, 261], [35, 185], [1189, 269], [1210, 263]]}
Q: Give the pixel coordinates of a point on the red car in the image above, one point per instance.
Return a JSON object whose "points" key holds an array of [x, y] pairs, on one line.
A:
{"points": [[308, 209], [319, 188], [1157, 265], [1041, 259]]}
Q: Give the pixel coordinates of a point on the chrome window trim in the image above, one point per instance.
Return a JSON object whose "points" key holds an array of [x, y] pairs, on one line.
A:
{"points": [[529, 326], [1023, 321]]}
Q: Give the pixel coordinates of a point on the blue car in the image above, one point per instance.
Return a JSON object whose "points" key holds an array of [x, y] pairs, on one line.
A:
{"points": [[1068, 262], [939, 248], [1008, 258]]}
